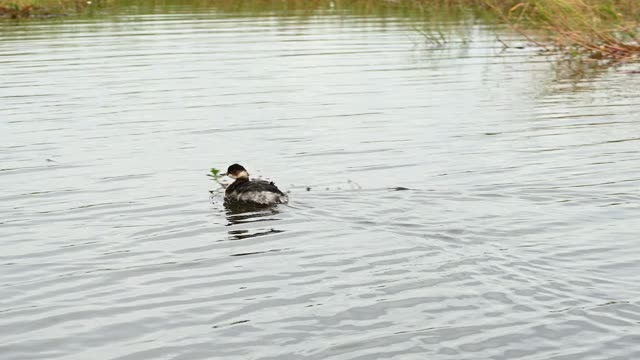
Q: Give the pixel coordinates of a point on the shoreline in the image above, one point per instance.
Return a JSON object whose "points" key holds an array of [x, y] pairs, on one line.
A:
{"points": [[599, 30]]}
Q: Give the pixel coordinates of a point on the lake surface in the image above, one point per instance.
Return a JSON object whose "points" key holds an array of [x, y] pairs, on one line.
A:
{"points": [[465, 201]]}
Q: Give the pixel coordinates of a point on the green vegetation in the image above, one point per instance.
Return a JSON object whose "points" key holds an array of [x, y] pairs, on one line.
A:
{"points": [[215, 175], [597, 29], [45, 8], [601, 29]]}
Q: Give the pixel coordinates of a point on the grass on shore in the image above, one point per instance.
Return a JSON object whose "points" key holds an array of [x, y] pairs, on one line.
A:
{"points": [[42, 8], [598, 29]]}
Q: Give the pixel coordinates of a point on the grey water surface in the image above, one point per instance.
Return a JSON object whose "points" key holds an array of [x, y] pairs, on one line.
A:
{"points": [[465, 201]]}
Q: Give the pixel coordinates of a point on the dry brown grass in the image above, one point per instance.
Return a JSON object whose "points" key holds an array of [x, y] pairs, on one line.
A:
{"points": [[601, 29]]}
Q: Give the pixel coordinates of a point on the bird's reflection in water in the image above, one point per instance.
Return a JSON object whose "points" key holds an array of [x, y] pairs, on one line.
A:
{"points": [[243, 213]]}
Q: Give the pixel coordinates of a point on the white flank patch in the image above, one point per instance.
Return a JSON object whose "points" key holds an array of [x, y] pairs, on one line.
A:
{"points": [[261, 197]]}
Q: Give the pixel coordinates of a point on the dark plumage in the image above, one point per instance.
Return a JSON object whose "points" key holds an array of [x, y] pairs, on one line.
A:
{"points": [[252, 191]]}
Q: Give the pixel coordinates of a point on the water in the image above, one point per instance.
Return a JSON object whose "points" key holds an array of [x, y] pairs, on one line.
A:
{"points": [[516, 236]]}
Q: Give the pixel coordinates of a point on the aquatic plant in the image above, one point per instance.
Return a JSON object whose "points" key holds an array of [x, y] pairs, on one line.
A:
{"points": [[600, 29], [215, 175]]}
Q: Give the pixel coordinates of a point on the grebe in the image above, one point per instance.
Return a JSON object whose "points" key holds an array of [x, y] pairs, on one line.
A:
{"points": [[259, 192]]}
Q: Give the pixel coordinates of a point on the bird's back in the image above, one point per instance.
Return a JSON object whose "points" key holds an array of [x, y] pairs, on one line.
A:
{"points": [[256, 191]]}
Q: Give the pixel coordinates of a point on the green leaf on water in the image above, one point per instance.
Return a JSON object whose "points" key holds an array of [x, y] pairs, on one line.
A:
{"points": [[214, 173]]}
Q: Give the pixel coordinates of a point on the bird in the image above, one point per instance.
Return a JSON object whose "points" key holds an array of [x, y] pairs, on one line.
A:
{"points": [[245, 190]]}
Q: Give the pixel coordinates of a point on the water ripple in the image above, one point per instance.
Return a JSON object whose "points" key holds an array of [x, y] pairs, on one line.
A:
{"points": [[454, 202]]}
